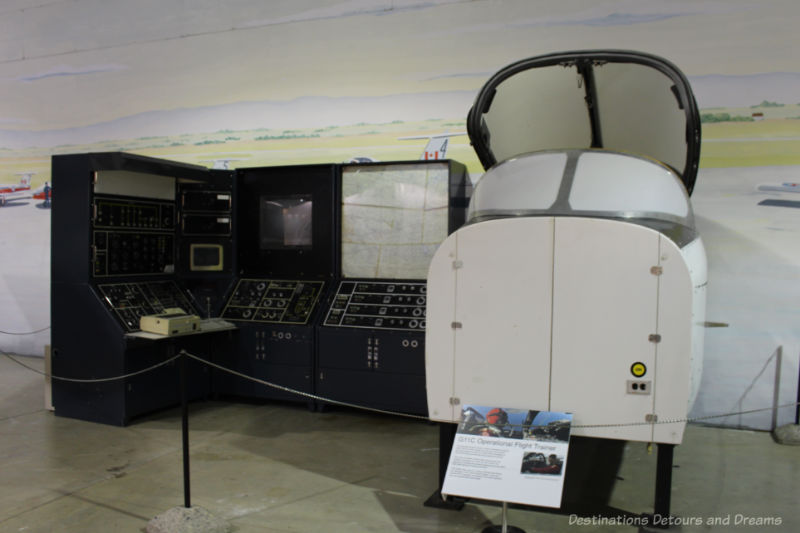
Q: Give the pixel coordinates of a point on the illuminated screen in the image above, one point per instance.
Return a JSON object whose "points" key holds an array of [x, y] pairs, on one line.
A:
{"points": [[393, 219], [285, 222]]}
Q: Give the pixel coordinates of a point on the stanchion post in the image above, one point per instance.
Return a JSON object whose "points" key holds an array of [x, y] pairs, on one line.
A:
{"points": [[186, 518], [777, 389], [185, 430], [797, 404]]}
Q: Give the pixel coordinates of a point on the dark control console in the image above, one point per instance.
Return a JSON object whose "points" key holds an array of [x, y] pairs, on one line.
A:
{"points": [[379, 305], [119, 253], [275, 318], [371, 345], [131, 301]]}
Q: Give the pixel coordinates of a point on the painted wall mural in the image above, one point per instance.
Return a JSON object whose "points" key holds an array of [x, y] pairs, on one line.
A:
{"points": [[249, 83]]}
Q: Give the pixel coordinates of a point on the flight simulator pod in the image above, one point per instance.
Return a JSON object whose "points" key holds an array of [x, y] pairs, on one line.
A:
{"points": [[578, 283]]}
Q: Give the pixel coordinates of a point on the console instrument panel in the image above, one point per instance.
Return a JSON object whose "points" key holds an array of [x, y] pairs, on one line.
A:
{"points": [[394, 305], [273, 301], [129, 302]]}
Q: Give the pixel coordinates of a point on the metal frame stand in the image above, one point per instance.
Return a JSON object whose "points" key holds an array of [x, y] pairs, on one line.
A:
{"points": [[663, 485], [503, 527]]}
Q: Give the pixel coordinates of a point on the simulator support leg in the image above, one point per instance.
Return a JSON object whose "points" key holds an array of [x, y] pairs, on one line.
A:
{"points": [[447, 432], [663, 480]]}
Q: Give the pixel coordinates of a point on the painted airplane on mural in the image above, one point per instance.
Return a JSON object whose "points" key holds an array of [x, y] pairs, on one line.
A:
{"points": [[787, 186], [16, 191], [222, 163], [435, 149]]}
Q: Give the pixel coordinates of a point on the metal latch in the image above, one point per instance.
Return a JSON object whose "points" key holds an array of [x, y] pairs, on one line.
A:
{"points": [[652, 418], [458, 263], [654, 337], [456, 325], [656, 270], [455, 401]]}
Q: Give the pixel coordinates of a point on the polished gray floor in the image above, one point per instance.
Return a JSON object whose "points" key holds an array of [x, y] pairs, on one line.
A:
{"points": [[281, 468]]}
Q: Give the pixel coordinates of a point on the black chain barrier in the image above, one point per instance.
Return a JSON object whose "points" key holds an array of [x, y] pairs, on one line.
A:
{"points": [[372, 409]]}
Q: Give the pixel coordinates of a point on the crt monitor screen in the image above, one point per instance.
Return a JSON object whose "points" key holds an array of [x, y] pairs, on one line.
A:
{"points": [[206, 257], [394, 217], [285, 222]]}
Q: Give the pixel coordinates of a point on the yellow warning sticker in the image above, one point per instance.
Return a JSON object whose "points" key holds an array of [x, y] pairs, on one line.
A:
{"points": [[638, 369]]}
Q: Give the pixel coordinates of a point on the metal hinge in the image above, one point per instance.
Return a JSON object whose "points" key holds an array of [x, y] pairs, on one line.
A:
{"points": [[456, 325], [652, 418], [455, 401], [654, 337], [656, 270], [458, 263]]}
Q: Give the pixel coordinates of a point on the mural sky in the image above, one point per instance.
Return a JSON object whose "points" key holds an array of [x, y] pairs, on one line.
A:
{"points": [[69, 65]]}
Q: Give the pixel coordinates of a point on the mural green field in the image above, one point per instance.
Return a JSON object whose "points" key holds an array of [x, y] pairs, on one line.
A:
{"points": [[773, 140]]}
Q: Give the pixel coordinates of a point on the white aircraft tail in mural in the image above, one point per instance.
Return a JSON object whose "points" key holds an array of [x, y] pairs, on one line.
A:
{"points": [[435, 149], [437, 144], [25, 179], [222, 163], [16, 191]]}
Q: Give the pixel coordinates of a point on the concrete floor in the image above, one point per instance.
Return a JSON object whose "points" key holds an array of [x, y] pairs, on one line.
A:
{"points": [[281, 468]]}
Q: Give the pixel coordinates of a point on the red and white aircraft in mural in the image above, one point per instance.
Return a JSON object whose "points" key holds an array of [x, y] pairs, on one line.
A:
{"points": [[17, 191]]}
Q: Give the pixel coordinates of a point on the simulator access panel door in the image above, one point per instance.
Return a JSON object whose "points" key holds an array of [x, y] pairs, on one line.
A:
{"points": [[564, 331]]}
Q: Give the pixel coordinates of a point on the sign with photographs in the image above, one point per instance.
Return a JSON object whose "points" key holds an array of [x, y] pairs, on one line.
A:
{"points": [[509, 455]]}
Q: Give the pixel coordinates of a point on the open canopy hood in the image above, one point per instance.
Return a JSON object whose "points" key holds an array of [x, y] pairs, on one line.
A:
{"points": [[616, 100]]}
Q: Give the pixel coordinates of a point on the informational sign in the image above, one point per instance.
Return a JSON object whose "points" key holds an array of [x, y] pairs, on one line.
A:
{"points": [[509, 455]]}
